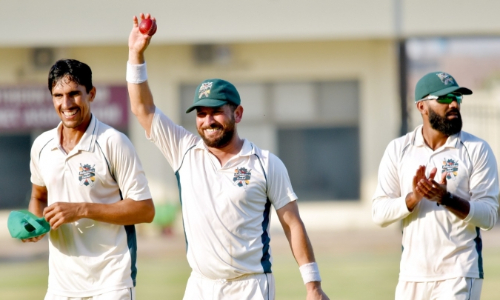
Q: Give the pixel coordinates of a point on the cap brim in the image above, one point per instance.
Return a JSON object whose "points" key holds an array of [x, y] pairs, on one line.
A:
{"points": [[206, 102], [463, 90]]}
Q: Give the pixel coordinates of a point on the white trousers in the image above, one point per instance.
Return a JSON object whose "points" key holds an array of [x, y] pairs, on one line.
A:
{"points": [[460, 288], [124, 294], [250, 287]]}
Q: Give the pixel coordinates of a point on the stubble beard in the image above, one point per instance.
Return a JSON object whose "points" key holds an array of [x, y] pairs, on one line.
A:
{"points": [[444, 125], [224, 139]]}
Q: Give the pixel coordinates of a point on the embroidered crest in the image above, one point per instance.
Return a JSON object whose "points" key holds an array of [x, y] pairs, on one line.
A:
{"points": [[86, 176], [446, 78], [204, 90], [450, 167], [242, 177]]}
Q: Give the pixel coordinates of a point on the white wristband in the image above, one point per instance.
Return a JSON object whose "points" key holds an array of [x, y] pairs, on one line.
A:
{"points": [[310, 272], [136, 73]]}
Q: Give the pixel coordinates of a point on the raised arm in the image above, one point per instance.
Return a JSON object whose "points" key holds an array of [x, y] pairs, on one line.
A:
{"points": [[301, 248], [141, 99]]}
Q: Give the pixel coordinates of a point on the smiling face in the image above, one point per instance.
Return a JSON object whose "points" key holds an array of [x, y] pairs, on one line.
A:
{"points": [[72, 103], [217, 125]]}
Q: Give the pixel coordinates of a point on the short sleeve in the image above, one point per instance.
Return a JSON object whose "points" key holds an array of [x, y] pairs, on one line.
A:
{"points": [[127, 169], [280, 191], [36, 176], [172, 140]]}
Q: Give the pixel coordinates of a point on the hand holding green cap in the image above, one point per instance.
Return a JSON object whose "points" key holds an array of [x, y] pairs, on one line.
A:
{"points": [[23, 224]]}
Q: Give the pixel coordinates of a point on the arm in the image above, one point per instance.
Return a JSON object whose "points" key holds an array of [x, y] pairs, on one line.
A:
{"points": [[299, 243], [141, 99], [124, 212], [482, 208], [126, 168], [437, 192], [38, 202], [388, 204]]}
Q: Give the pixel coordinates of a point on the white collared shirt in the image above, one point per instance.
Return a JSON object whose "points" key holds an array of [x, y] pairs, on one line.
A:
{"points": [[438, 245], [226, 209], [89, 257]]}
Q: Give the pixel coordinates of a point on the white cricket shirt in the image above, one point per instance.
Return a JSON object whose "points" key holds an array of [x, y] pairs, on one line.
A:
{"points": [[88, 257], [438, 245], [225, 209]]}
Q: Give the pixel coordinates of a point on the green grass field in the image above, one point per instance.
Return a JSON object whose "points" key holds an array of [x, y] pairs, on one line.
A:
{"points": [[356, 269]]}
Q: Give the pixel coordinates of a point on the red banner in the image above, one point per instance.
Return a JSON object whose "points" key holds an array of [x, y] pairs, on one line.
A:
{"points": [[23, 108]]}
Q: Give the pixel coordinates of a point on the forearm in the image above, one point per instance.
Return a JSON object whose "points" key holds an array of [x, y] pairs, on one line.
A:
{"points": [[386, 211], [482, 214], [38, 200], [36, 206], [125, 212], [300, 244], [141, 98]]}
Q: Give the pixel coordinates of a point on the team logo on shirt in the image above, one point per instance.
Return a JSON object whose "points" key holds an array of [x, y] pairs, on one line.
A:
{"points": [[450, 166], [204, 90], [242, 177], [86, 176], [446, 78]]}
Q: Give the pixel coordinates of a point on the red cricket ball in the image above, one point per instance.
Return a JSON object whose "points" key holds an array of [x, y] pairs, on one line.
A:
{"points": [[148, 27]]}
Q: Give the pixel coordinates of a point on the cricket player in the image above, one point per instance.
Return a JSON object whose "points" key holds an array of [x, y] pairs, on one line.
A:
{"points": [[89, 185], [227, 186], [442, 183]]}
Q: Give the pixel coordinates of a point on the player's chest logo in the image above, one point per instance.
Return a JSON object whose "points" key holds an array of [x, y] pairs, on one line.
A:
{"points": [[86, 176], [242, 177], [450, 167]]}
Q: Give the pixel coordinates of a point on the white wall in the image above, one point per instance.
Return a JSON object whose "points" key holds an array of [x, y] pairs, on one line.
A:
{"points": [[95, 22]]}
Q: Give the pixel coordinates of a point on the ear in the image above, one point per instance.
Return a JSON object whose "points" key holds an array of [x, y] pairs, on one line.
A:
{"points": [[421, 106], [92, 94], [238, 114]]}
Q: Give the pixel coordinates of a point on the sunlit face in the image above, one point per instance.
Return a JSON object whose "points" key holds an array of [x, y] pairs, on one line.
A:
{"points": [[215, 125], [72, 103], [445, 118]]}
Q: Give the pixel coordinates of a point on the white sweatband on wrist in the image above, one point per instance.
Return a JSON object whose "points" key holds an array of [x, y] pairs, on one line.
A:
{"points": [[136, 73], [310, 272]]}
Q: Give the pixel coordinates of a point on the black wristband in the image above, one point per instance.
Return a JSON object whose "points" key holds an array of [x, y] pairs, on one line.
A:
{"points": [[447, 199]]}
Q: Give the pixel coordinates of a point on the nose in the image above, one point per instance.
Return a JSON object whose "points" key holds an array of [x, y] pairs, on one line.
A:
{"points": [[66, 101], [454, 104]]}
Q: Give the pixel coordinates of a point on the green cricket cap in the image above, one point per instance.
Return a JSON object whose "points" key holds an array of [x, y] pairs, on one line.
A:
{"points": [[24, 225], [438, 84], [215, 93]]}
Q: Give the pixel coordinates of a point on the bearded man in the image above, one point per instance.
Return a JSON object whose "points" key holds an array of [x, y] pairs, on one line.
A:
{"points": [[227, 186], [441, 217]]}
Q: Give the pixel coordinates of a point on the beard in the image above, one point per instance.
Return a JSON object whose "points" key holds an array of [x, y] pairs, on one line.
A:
{"points": [[224, 139], [446, 126]]}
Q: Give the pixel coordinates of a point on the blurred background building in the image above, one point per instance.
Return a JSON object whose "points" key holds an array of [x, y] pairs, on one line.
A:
{"points": [[325, 84]]}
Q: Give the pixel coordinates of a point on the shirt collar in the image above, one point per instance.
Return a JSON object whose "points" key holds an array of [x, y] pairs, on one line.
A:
{"points": [[246, 150], [86, 143]]}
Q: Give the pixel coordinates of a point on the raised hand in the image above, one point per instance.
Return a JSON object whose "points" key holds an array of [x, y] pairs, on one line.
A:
{"points": [[418, 193], [137, 41]]}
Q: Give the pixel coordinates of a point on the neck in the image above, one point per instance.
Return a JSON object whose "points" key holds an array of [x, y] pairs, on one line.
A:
{"points": [[225, 153], [433, 138], [70, 137]]}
